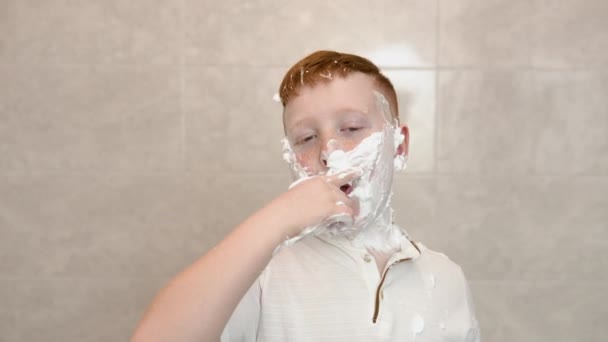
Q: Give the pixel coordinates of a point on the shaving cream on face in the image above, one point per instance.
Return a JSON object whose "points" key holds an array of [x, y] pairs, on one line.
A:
{"points": [[371, 156], [375, 156], [399, 163], [298, 173], [382, 105], [372, 227]]}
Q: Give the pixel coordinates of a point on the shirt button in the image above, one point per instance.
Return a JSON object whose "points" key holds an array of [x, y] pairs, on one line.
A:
{"points": [[367, 258]]}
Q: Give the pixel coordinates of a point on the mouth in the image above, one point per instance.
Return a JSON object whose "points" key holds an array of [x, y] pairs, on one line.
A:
{"points": [[346, 189]]}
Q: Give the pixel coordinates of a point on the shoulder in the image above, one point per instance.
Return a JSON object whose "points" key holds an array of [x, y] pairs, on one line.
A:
{"points": [[443, 269], [451, 288], [437, 260], [309, 249]]}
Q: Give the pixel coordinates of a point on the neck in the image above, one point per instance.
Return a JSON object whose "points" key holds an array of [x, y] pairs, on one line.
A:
{"points": [[381, 235]]}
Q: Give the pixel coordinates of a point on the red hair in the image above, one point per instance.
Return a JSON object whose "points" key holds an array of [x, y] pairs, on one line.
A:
{"points": [[318, 65]]}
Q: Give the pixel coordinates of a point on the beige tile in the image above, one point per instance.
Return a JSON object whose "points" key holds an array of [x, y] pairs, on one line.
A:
{"points": [[232, 122], [142, 292], [84, 118], [571, 122], [8, 31], [414, 204], [9, 305], [486, 122], [484, 33], [569, 33], [77, 309], [526, 228], [116, 31], [278, 34], [218, 202], [556, 311], [95, 225], [149, 225], [530, 122], [416, 96]]}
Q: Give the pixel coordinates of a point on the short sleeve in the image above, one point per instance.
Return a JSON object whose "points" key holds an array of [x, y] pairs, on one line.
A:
{"points": [[473, 333], [462, 323], [243, 324]]}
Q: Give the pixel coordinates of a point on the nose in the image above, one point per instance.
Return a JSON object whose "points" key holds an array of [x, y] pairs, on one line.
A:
{"points": [[328, 147], [323, 159]]}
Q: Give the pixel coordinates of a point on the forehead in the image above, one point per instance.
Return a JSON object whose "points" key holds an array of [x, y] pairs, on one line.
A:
{"points": [[354, 92]]}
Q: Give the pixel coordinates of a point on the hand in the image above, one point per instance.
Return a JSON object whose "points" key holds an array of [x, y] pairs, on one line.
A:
{"points": [[316, 200]]}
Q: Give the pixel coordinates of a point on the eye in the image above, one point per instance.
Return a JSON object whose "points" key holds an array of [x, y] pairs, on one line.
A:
{"points": [[305, 139], [351, 129]]}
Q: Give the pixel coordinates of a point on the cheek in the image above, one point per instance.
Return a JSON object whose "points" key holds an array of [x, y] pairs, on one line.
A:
{"points": [[307, 160], [350, 145]]}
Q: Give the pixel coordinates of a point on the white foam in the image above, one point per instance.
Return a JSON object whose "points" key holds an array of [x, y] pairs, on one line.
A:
{"points": [[417, 324], [298, 172], [376, 160], [400, 162]]}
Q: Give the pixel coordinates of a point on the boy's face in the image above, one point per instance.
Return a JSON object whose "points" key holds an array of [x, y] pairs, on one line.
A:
{"points": [[334, 115]]}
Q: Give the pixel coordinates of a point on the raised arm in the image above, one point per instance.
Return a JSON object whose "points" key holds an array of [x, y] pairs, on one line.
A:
{"points": [[198, 302]]}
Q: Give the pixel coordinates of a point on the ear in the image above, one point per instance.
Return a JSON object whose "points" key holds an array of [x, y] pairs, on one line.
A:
{"points": [[403, 148]]}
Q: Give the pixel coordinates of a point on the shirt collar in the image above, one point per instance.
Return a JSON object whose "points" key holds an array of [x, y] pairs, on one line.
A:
{"points": [[409, 249]]}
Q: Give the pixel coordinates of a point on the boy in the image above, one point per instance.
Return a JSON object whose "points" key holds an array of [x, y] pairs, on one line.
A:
{"points": [[343, 270]]}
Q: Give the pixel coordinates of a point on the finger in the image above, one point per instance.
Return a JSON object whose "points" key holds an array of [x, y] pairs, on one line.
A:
{"points": [[352, 204], [339, 218], [344, 200], [301, 180], [345, 177], [346, 207]]}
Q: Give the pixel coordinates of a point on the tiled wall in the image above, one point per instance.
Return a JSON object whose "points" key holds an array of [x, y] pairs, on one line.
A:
{"points": [[135, 134]]}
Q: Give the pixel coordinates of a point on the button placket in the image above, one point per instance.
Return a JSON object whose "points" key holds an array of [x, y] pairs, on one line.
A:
{"points": [[380, 290], [367, 258], [369, 273]]}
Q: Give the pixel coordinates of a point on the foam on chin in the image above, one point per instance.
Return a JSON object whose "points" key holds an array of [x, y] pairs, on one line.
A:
{"points": [[366, 190], [376, 157], [372, 227]]}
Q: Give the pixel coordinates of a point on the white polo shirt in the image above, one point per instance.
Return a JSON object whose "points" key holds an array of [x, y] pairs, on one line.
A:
{"points": [[325, 289]]}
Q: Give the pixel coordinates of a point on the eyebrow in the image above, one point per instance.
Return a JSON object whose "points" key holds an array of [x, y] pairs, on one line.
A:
{"points": [[341, 110], [298, 123]]}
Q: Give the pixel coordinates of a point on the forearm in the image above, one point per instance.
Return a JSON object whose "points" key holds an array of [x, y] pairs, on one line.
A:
{"points": [[197, 303]]}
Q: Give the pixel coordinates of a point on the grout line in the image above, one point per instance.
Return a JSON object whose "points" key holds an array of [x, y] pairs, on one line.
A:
{"points": [[182, 85], [70, 172], [532, 281], [89, 65], [427, 68], [529, 43], [393, 68], [437, 31], [436, 107]]}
